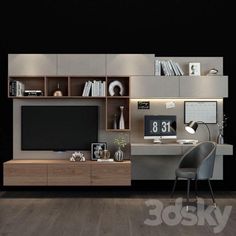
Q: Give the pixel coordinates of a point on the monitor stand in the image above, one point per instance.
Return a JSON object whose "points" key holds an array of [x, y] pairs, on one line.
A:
{"points": [[156, 140]]}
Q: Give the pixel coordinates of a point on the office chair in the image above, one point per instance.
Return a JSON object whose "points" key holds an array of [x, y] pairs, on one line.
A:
{"points": [[197, 164]]}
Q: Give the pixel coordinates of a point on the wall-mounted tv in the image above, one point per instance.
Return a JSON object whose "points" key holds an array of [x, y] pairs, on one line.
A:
{"points": [[58, 128]]}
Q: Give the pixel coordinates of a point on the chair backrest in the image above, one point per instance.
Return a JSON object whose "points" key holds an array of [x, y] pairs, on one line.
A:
{"points": [[201, 157]]}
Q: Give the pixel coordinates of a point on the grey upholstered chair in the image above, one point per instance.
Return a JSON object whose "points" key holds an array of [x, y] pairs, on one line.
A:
{"points": [[197, 164]]}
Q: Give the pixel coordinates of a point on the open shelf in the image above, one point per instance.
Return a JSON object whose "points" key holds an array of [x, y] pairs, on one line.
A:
{"points": [[125, 82], [56, 83]]}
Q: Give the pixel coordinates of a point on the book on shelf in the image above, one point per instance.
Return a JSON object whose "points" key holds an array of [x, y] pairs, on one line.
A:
{"points": [[94, 89], [16, 88], [167, 68]]}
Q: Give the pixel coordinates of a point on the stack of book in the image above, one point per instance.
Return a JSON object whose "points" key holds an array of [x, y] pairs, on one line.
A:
{"points": [[16, 88], [169, 68], [94, 89]]}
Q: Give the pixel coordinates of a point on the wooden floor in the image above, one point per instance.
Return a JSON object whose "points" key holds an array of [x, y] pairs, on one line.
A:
{"points": [[96, 213]]}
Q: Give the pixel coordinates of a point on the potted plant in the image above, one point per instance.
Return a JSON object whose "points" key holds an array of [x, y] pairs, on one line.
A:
{"points": [[121, 142]]}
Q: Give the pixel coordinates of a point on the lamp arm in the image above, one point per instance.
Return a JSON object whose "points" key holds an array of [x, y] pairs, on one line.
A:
{"points": [[209, 133]]}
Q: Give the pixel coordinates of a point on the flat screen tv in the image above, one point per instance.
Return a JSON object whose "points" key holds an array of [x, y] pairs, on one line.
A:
{"points": [[58, 128]]}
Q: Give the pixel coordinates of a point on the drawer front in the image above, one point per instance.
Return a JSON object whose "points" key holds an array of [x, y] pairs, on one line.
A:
{"points": [[111, 174], [25, 174], [72, 175]]}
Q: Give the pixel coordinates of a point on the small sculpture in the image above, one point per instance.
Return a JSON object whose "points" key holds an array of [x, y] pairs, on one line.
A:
{"points": [[77, 156]]}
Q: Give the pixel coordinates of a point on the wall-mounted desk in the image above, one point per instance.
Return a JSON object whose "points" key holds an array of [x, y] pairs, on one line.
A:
{"points": [[158, 161]]}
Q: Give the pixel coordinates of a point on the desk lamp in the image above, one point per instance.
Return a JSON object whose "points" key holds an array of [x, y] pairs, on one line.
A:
{"points": [[193, 125]]}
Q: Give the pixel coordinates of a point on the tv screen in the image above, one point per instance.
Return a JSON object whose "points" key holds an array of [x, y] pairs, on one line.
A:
{"points": [[58, 128], [158, 126]]}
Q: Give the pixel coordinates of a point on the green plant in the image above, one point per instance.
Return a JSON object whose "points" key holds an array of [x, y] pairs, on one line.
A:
{"points": [[120, 141]]}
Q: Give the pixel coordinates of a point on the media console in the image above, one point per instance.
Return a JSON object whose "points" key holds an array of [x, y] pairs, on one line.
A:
{"points": [[66, 173]]}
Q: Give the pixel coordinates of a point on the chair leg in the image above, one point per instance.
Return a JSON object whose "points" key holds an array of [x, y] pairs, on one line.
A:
{"points": [[196, 192], [188, 187], [212, 195], [173, 190]]}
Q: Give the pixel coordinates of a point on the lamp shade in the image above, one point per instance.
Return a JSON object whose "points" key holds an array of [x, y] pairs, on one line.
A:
{"points": [[191, 127]]}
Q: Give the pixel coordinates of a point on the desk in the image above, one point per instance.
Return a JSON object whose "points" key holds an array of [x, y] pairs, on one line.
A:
{"points": [[158, 161]]}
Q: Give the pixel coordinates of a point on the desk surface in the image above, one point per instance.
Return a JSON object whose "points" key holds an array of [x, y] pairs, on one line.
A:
{"points": [[173, 149]]}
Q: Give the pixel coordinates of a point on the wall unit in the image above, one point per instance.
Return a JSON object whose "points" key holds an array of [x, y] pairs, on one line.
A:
{"points": [[65, 173], [136, 73]]}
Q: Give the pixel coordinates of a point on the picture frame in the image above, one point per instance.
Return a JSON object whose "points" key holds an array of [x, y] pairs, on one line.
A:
{"points": [[205, 111], [95, 148], [195, 68]]}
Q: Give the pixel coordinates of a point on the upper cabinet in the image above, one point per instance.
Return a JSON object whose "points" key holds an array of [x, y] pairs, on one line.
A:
{"points": [[204, 86], [153, 87], [82, 64], [32, 64], [130, 64]]}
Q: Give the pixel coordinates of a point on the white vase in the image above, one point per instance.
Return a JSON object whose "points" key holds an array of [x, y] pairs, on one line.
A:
{"points": [[121, 121]]}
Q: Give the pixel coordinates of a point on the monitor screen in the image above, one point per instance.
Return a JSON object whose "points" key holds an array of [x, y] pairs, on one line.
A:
{"points": [[160, 127], [58, 128]]}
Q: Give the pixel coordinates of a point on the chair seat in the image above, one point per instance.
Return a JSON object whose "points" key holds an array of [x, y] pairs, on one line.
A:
{"points": [[188, 173]]}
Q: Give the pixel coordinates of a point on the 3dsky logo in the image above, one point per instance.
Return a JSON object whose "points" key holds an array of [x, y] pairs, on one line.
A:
{"points": [[196, 215]]}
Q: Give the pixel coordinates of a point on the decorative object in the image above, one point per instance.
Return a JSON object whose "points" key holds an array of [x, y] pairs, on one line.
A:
{"points": [[112, 86], [115, 122], [121, 121], [120, 142], [105, 154], [220, 137], [77, 156], [193, 125], [213, 71], [194, 68], [58, 92], [96, 149]]}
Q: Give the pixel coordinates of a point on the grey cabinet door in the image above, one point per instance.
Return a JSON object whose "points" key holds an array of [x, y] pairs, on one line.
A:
{"points": [[204, 86], [32, 64], [81, 64], [130, 64], [154, 87]]}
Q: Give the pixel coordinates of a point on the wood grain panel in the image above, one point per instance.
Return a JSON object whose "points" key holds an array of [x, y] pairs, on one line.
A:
{"points": [[111, 174], [25, 174], [69, 174]]}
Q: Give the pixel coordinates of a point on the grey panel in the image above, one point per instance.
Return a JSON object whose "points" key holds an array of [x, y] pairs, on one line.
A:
{"points": [[130, 64], [81, 64], [204, 87], [32, 64], [207, 63], [163, 167], [155, 149], [154, 87]]}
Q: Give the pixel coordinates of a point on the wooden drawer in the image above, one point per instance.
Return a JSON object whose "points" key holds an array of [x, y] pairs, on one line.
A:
{"points": [[111, 174], [25, 174], [69, 174]]}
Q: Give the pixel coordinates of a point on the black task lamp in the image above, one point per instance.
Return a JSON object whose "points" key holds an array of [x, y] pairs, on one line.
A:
{"points": [[193, 125]]}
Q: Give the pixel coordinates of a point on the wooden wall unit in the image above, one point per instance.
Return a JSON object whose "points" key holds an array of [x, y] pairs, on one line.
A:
{"points": [[66, 173]]}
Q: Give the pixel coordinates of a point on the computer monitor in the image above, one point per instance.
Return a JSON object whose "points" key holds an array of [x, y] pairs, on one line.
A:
{"points": [[159, 127]]}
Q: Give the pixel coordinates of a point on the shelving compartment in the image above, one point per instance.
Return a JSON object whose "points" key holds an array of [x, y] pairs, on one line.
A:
{"points": [[57, 83], [28, 82], [113, 109], [77, 85], [115, 87]]}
